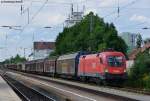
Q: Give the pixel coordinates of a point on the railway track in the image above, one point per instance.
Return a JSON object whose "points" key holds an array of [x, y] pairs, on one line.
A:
{"points": [[92, 84], [26, 93], [82, 88], [128, 89]]}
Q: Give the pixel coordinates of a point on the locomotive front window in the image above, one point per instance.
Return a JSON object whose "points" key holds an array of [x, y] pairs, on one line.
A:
{"points": [[115, 61]]}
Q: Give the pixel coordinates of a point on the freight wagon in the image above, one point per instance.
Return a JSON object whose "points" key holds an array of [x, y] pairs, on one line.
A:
{"points": [[50, 66], [67, 65]]}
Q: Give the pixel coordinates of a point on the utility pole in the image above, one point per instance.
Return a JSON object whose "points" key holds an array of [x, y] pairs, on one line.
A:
{"points": [[33, 38], [6, 46], [32, 50], [21, 8], [91, 23], [1, 48], [118, 11], [25, 10], [24, 51], [28, 16]]}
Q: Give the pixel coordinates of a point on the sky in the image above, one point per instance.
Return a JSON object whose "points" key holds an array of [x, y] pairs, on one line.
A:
{"points": [[133, 16]]}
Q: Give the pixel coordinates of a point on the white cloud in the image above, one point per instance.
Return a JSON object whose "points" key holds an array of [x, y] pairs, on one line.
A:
{"points": [[50, 19], [139, 18], [56, 19]]}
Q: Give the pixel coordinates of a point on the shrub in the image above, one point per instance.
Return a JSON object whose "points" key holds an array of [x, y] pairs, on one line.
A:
{"points": [[139, 75]]}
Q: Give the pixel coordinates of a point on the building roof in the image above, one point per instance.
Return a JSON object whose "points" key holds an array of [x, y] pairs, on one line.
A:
{"points": [[133, 54], [44, 45]]}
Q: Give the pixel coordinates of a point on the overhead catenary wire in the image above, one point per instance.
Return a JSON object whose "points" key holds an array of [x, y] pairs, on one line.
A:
{"points": [[133, 25], [50, 3], [58, 2], [121, 8], [77, 2], [33, 17]]}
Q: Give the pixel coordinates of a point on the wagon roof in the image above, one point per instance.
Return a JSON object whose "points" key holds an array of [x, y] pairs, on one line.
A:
{"points": [[68, 56]]}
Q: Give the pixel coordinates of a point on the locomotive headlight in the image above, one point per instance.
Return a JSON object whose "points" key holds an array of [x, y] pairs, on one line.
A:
{"points": [[125, 70], [106, 70]]}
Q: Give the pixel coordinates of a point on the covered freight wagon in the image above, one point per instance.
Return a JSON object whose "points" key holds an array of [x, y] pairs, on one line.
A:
{"points": [[30, 66], [50, 66], [39, 66], [67, 65], [19, 66], [12, 66]]}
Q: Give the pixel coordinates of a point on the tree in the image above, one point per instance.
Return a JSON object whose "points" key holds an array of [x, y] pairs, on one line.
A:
{"points": [[139, 75], [139, 41], [91, 34], [14, 60]]}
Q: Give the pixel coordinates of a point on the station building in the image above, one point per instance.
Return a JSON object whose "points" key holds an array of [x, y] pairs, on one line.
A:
{"points": [[42, 49]]}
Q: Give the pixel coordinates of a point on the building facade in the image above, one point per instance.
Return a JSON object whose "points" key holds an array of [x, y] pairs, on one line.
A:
{"points": [[130, 39], [43, 49]]}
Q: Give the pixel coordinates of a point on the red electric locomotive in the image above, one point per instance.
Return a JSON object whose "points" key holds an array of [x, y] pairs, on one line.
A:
{"points": [[108, 66]]}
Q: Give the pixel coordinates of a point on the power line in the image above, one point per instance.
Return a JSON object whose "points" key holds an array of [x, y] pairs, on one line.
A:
{"points": [[121, 8], [39, 10], [33, 17], [67, 3], [134, 25]]}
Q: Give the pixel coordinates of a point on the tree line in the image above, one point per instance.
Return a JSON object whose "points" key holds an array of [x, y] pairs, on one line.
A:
{"points": [[91, 34], [14, 60]]}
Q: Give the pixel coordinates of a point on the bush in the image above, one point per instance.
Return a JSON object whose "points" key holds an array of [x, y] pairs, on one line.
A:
{"points": [[139, 75], [146, 81]]}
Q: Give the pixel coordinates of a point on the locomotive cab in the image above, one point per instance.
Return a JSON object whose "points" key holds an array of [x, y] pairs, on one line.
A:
{"points": [[115, 66]]}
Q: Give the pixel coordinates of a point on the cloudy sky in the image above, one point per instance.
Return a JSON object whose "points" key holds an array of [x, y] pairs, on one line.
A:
{"points": [[133, 16]]}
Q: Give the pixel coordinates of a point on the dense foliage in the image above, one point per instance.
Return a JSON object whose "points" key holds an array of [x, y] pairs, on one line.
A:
{"points": [[16, 59], [139, 75], [91, 34]]}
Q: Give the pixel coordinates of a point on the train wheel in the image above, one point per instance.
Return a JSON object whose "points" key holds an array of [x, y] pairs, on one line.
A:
{"points": [[98, 81], [104, 82], [83, 79]]}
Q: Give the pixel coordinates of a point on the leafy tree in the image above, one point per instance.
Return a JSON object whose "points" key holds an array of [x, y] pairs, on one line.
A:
{"points": [[15, 60], [140, 73], [91, 34], [102, 46], [139, 41]]}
